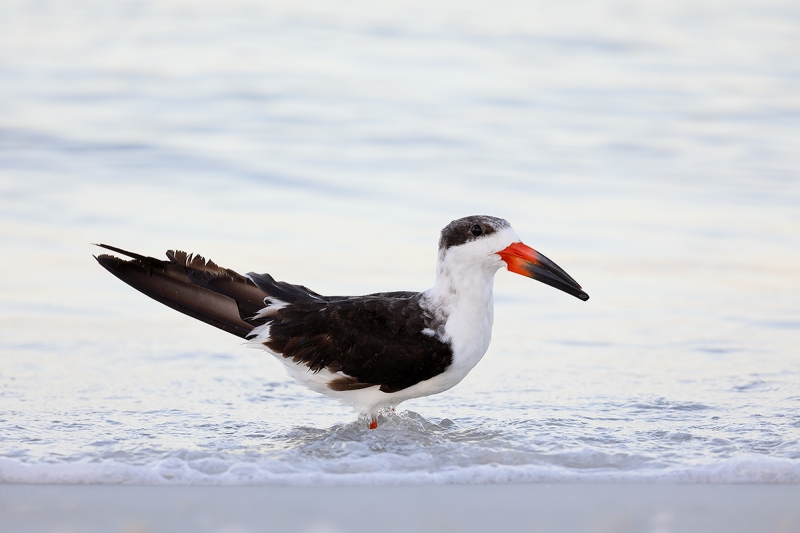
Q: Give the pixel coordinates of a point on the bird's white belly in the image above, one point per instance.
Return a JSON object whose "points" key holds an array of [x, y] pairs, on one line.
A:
{"points": [[467, 354], [372, 399], [468, 332]]}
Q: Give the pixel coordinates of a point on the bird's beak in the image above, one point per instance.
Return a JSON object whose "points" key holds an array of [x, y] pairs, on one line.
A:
{"points": [[522, 259]]}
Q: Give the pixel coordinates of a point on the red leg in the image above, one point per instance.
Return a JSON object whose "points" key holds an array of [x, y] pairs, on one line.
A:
{"points": [[373, 424]]}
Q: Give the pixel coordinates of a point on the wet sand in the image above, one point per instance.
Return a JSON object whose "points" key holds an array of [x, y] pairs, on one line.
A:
{"points": [[568, 507]]}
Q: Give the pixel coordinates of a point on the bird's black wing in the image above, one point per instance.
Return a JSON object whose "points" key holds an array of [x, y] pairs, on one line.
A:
{"points": [[374, 340]]}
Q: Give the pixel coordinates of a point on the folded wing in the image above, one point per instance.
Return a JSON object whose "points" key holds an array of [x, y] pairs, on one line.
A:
{"points": [[377, 339]]}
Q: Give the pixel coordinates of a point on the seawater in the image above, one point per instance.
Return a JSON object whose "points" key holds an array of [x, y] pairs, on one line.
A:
{"points": [[652, 151]]}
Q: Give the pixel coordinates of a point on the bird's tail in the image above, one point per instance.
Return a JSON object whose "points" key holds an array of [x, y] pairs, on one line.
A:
{"points": [[196, 287]]}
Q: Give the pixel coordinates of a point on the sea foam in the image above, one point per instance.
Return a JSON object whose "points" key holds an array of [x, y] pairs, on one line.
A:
{"points": [[174, 471]]}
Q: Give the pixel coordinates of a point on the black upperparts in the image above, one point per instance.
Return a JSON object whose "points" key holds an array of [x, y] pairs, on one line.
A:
{"points": [[374, 339]]}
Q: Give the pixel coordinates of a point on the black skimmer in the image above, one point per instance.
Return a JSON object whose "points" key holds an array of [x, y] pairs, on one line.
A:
{"points": [[371, 351]]}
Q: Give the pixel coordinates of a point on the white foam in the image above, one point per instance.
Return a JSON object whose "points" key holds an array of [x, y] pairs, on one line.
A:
{"points": [[380, 469], [405, 449]]}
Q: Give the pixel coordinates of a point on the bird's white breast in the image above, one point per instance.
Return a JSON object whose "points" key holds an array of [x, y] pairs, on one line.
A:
{"points": [[463, 297]]}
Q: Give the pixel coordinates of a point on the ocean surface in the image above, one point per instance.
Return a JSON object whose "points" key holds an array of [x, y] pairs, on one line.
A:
{"points": [[652, 150]]}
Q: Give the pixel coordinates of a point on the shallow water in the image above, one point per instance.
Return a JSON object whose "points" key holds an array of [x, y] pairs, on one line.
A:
{"points": [[652, 151]]}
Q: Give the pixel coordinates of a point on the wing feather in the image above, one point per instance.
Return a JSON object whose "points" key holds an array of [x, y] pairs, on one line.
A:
{"points": [[373, 340], [202, 289]]}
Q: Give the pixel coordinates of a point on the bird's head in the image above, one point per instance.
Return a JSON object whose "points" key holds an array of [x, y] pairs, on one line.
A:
{"points": [[490, 243]]}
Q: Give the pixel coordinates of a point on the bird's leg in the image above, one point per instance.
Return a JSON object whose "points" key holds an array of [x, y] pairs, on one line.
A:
{"points": [[373, 423]]}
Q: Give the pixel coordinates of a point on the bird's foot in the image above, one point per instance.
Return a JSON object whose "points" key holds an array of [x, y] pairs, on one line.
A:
{"points": [[373, 423]]}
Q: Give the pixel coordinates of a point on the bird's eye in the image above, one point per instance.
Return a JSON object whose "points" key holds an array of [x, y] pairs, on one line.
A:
{"points": [[476, 229]]}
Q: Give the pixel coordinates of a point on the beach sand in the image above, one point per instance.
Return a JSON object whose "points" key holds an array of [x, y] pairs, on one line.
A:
{"points": [[568, 507]]}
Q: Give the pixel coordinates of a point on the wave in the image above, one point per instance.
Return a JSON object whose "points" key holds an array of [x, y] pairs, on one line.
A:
{"points": [[381, 471], [406, 449]]}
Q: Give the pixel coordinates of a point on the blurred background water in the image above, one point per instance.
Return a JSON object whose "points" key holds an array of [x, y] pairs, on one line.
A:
{"points": [[650, 149]]}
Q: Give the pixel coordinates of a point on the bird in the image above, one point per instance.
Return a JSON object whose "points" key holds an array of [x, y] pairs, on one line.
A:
{"points": [[372, 351]]}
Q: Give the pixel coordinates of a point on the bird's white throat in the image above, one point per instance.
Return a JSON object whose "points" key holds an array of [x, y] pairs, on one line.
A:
{"points": [[463, 298]]}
